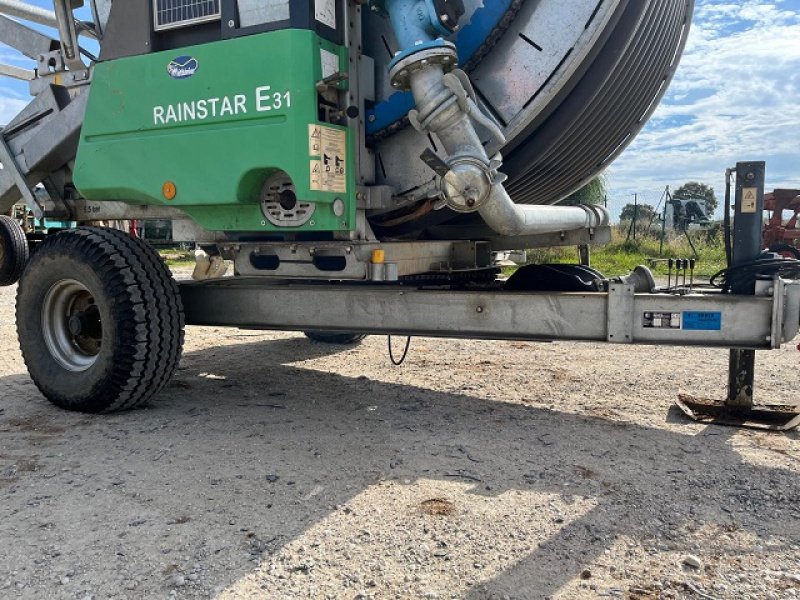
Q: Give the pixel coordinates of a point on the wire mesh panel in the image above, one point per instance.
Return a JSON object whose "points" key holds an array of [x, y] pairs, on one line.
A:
{"points": [[178, 13]]}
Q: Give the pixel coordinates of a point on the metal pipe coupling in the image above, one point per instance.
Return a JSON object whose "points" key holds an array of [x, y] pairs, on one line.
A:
{"points": [[446, 105]]}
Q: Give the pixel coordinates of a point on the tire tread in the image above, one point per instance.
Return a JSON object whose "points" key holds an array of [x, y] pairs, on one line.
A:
{"points": [[147, 309], [16, 248]]}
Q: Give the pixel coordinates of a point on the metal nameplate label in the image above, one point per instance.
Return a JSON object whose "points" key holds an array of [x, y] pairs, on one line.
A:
{"points": [[661, 320]]}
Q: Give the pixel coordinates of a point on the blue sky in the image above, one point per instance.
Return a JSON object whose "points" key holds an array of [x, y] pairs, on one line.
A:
{"points": [[14, 94], [736, 97]]}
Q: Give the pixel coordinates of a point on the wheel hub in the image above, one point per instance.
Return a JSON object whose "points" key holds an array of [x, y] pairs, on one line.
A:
{"points": [[71, 325], [75, 325]]}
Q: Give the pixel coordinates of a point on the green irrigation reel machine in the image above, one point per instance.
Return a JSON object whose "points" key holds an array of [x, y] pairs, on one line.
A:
{"points": [[360, 162]]}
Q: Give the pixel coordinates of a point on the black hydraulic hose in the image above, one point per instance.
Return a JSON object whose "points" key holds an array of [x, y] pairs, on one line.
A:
{"points": [[746, 274], [727, 220], [397, 362]]}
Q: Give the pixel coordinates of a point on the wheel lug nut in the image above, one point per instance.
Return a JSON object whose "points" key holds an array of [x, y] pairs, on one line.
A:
{"points": [[75, 325]]}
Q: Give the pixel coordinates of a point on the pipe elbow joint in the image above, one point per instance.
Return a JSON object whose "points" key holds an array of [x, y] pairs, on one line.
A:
{"points": [[596, 215], [511, 220]]}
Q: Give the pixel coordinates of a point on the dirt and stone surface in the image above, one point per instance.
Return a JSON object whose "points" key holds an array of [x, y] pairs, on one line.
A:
{"points": [[276, 467]]}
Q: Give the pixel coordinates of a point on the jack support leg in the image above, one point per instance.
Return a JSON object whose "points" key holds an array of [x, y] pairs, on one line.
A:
{"points": [[741, 378], [738, 408]]}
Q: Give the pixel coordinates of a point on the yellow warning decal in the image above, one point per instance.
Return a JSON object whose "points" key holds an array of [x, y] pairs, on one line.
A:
{"points": [[328, 166], [749, 200]]}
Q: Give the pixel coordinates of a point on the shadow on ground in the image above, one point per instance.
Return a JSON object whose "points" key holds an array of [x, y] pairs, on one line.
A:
{"points": [[221, 470]]}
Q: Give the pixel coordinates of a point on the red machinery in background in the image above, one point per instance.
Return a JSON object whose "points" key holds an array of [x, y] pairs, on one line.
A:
{"points": [[782, 236]]}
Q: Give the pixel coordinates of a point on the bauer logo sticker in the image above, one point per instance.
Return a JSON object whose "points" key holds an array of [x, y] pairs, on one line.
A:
{"points": [[328, 167], [182, 67]]}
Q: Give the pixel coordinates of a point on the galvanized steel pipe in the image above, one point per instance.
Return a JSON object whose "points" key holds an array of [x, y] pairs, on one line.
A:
{"points": [[510, 219], [442, 115], [34, 14]]}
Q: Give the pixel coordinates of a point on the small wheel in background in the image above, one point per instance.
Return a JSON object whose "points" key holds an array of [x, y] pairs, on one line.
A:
{"points": [[14, 252], [340, 338], [100, 320]]}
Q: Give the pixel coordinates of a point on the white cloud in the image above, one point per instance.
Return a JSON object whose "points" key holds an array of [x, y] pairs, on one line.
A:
{"points": [[9, 107], [735, 97], [13, 57]]}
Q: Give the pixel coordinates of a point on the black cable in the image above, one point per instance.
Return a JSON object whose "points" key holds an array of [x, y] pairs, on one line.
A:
{"points": [[765, 266], [397, 363]]}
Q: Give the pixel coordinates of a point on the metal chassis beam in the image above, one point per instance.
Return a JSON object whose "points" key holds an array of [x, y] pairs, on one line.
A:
{"points": [[746, 321], [8, 161], [296, 260], [35, 14], [28, 41], [89, 210], [17, 73]]}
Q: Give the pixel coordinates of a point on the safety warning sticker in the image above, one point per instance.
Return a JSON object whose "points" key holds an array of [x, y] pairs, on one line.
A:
{"points": [[749, 200], [329, 168]]}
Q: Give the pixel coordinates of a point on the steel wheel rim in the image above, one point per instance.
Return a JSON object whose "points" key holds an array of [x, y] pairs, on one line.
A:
{"points": [[71, 325]]}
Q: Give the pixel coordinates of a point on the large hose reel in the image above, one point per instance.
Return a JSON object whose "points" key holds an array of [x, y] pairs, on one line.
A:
{"points": [[446, 106]]}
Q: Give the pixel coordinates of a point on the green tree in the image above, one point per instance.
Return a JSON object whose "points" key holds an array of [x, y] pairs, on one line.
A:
{"points": [[694, 190], [645, 213], [593, 192]]}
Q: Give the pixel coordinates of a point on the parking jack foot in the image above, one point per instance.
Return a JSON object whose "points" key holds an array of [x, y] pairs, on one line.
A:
{"points": [[763, 417]]}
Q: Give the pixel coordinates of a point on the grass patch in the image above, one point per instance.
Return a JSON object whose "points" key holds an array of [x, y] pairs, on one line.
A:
{"points": [[621, 255], [177, 257]]}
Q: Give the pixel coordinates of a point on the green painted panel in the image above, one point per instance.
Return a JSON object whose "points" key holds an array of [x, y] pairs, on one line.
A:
{"points": [[216, 120]]}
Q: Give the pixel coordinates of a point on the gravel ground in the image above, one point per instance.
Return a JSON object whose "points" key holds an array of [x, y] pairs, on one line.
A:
{"points": [[276, 467]]}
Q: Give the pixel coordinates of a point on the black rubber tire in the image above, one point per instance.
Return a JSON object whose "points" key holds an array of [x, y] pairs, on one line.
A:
{"points": [[140, 311], [14, 252], [786, 250], [341, 339]]}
